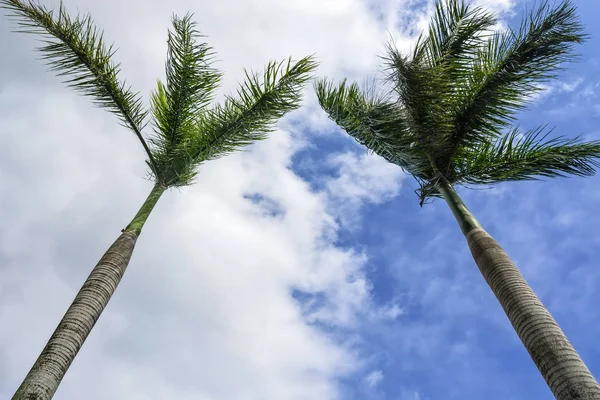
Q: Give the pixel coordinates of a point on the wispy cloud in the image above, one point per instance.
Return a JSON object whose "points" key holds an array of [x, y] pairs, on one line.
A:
{"points": [[374, 378], [557, 88], [362, 177]]}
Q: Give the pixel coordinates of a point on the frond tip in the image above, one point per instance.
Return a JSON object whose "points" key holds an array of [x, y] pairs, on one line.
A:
{"points": [[508, 71], [455, 35]]}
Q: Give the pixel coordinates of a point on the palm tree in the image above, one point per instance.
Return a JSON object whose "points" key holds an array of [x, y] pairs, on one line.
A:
{"points": [[447, 119], [186, 133]]}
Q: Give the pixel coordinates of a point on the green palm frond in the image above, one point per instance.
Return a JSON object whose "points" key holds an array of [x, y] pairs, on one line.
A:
{"points": [[75, 49], [455, 34], [249, 116], [186, 131], [453, 98], [423, 92], [429, 83], [178, 104], [507, 72], [518, 156], [374, 122], [189, 85]]}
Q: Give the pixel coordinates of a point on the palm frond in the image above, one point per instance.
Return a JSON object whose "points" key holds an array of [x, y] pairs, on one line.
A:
{"points": [[452, 98], [190, 83], [507, 72], [245, 118], [517, 156], [75, 49], [423, 92], [428, 84], [374, 122], [456, 33]]}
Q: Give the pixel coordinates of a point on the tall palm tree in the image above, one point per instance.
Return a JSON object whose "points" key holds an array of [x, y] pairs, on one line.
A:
{"points": [[186, 133], [447, 119]]}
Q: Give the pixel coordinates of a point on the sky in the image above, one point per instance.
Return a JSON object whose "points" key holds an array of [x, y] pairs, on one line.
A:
{"points": [[302, 268]]}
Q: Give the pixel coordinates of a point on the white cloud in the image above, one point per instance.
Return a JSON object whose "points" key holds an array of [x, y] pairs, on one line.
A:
{"points": [[205, 310], [410, 395], [361, 178], [568, 87], [498, 6], [548, 89], [364, 177], [392, 311], [374, 378], [590, 90]]}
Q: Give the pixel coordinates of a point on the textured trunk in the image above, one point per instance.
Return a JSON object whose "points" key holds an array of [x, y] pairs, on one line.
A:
{"points": [[44, 377], [560, 365]]}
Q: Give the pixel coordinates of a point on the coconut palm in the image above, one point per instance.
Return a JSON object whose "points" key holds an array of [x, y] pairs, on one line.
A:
{"points": [[447, 118], [186, 132]]}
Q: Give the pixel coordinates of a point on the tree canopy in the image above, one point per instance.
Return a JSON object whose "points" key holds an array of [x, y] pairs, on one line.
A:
{"points": [[187, 129], [447, 110]]}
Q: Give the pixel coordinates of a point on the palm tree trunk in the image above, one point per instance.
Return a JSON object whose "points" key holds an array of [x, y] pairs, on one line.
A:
{"points": [[562, 368], [44, 377]]}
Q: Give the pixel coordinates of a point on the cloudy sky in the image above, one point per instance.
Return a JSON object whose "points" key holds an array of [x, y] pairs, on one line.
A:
{"points": [[302, 269]]}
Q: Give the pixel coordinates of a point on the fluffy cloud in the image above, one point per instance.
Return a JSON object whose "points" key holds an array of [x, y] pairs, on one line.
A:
{"points": [[364, 177], [208, 308]]}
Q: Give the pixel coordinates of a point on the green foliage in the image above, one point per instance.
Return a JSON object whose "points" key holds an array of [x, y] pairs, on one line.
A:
{"points": [[239, 121], [374, 121], [452, 101], [455, 35], [75, 49], [187, 131], [507, 72], [250, 115], [177, 105], [190, 83], [518, 156]]}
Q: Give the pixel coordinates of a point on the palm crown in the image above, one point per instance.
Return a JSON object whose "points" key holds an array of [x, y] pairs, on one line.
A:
{"points": [[186, 130], [450, 112]]}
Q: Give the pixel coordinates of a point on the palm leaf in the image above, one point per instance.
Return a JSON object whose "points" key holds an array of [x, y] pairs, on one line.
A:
{"points": [[507, 72], [243, 119], [189, 85], [454, 96], [428, 84], [422, 92], [177, 105], [375, 122], [455, 35], [527, 156], [75, 49]]}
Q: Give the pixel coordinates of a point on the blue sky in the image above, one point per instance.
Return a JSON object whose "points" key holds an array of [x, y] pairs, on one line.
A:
{"points": [[452, 340], [303, 269]]}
